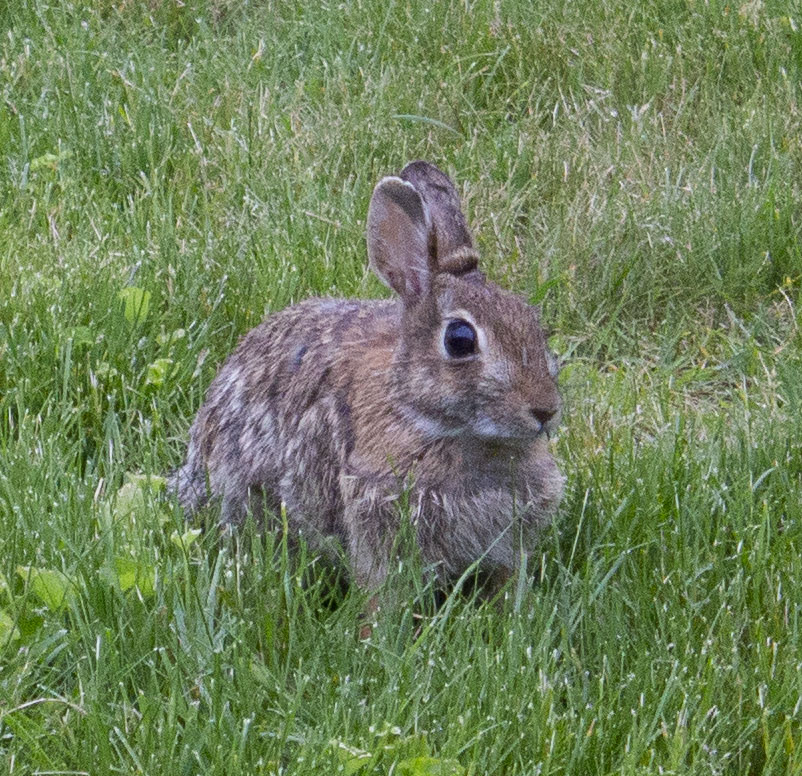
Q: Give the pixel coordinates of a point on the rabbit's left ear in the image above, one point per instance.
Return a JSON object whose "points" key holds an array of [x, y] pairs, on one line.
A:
{"points": [[398, 238], [454, 252]]}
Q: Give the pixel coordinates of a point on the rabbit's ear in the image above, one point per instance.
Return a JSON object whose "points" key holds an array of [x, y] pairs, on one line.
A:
{"points": [[454, 252], [398, 238]]}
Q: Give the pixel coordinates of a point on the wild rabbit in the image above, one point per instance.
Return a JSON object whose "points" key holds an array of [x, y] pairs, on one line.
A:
{"points": [[447, 395]]}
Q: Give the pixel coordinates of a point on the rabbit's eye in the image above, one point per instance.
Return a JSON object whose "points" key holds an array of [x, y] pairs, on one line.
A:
{"points": [[460, 339]]}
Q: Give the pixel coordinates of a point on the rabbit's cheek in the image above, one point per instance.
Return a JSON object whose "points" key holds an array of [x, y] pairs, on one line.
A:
{"points": [[496, 375]]}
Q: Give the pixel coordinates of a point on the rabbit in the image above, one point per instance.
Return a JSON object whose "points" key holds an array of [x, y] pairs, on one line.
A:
{"points": [[443, 398]]}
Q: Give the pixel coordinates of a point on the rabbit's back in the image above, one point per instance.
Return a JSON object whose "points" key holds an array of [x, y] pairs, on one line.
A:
{"points": [[276, 422]]}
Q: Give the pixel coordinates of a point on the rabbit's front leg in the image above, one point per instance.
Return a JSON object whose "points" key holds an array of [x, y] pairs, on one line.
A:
{"points": [[371, 525]]}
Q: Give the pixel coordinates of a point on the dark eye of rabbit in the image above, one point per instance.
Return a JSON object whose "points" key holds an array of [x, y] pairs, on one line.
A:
{"points": [[460, 339]]}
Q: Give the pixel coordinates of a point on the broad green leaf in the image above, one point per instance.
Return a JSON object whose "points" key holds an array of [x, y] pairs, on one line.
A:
{"points": [[158, 372], [351, 759], [133, 573], [49, 161], [130, 499], [8, 629], [51, 587], [136, 301], [82, 335], [430, 766], [186, 539], [29, 625]]}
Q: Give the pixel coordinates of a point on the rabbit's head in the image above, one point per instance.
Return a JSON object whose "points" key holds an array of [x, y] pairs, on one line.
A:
{"points": [[473, 359]]}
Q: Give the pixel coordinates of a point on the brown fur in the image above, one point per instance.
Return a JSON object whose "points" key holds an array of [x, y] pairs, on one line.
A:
{"points": [[335, 408]]}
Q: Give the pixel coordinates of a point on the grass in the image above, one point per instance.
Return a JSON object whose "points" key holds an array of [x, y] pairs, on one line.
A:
{"points": [[173, 171]]}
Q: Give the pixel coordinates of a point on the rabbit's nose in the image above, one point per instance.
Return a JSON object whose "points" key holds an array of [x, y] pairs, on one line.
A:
{"points": [[543, 415]]}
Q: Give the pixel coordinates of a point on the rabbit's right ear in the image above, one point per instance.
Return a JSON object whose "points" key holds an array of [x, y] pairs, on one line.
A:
{"points": [[398, 238]]}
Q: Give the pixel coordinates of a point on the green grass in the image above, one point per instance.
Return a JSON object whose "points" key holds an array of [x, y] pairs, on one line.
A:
{"points": [[173, 171]]}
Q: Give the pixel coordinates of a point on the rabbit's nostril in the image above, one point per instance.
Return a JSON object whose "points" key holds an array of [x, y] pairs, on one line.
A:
{"points": [[543, 415]]}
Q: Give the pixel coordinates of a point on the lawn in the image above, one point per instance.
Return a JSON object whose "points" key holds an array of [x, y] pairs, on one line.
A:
{"points": [[172, 171]]}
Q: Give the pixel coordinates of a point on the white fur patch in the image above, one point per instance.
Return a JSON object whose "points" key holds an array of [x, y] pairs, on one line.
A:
{"points": [[429, 427], [485, 427]]}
